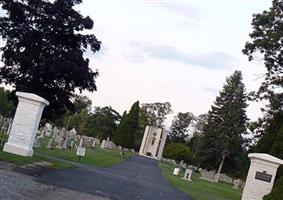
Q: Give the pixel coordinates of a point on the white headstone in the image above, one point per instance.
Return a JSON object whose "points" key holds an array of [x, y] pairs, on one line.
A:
{"points": [[25, 124], [81, 142], [176, 171], [49, 146], [188, 175], [93, 144], [261, 176]]}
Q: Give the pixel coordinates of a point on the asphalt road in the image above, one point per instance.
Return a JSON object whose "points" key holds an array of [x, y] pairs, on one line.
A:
{"points": [[138, 178]]}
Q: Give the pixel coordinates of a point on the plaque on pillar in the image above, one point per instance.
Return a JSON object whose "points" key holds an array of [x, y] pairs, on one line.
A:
{"points": [[25, 124], [261, 176]]}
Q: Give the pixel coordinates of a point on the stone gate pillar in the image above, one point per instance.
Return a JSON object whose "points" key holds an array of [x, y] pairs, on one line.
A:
{"points": [[25, 124], [261, 176]]}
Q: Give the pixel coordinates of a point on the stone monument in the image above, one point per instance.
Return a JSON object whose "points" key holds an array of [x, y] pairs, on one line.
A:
{"points": [[153, 142], [25, 124], [261, 176], [176, 171], [188, 175]]}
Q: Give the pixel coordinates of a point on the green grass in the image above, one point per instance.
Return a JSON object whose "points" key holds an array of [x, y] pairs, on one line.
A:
{"points": [[98, 157], [20, 160], [199, 189]]}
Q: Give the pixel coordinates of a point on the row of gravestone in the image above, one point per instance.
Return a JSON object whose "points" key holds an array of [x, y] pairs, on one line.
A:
{"points": [[205, 175], [63, 139], [211, 176]]}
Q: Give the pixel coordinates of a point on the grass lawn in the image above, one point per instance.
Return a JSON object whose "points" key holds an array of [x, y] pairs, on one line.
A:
{"points": [[199, 189], [20, 160], [98, 157]]}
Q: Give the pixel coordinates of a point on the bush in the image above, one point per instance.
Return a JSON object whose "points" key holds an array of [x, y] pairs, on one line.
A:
{"points": [[178, 152], [277, 191]]}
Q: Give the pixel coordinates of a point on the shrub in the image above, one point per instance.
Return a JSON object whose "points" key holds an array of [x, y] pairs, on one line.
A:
{"points": [[277, 191], [178, 152]]}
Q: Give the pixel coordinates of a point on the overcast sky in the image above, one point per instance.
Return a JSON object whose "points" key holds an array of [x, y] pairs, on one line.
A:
{"points": [[176, 51]]}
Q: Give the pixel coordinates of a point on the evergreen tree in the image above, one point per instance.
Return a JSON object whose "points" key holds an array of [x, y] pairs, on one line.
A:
{"points": [[6, 105], [222, 137], [126, 131], [179, 128]]}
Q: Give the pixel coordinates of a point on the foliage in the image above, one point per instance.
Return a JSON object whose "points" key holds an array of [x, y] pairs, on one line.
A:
{"points": [[271, 140], [266, 41], [129, 125], [178, 152], [43, 50], [6, 105], [81, 102], [222, 137], [276, 193], [198, 128], [104, 122], [154, 114], [179, 128]]}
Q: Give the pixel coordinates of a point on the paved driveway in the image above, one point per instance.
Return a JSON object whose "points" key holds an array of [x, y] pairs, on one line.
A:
{"points": [[135, 179]]}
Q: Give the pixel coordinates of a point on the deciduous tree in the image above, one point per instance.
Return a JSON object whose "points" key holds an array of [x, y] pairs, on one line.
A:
{"points": [[43, 50]]}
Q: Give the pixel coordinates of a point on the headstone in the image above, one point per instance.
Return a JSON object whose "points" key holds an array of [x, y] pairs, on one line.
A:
{"points": [[65, 144], [69, 142], [81, 142], [48, 129], [237, 184], [93, 144], [176, 171], [208, 176], [72, 144], [36, 142], [188, 175], [224, 178], [49, 146], [97, 141], [25, 124], [59, 146], [54, 132], [261, 176], [103, 144]]}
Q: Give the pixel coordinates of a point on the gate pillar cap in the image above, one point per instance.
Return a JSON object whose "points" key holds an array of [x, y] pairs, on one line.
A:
{"points": [[33, 97], [266, 157]]}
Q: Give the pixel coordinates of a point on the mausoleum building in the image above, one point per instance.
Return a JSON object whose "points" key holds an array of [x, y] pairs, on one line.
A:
{"points": [[153, 142]]}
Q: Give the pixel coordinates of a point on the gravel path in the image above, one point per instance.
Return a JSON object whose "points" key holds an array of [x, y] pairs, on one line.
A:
{"points": [[16, 186], [137, 178]]}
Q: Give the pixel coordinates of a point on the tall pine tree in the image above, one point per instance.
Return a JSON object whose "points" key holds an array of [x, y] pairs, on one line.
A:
{"points": [[126, 131], [222, 143]]}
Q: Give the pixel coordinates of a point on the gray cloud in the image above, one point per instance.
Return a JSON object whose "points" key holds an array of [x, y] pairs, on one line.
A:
{"points": [[213, 60]]}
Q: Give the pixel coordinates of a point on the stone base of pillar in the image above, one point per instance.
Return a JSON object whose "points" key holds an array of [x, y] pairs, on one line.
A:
{"points": [[11, 148]]}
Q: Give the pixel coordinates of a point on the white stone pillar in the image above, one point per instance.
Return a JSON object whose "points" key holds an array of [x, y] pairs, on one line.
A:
{"points": [[261, 176], [25, 124]]}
